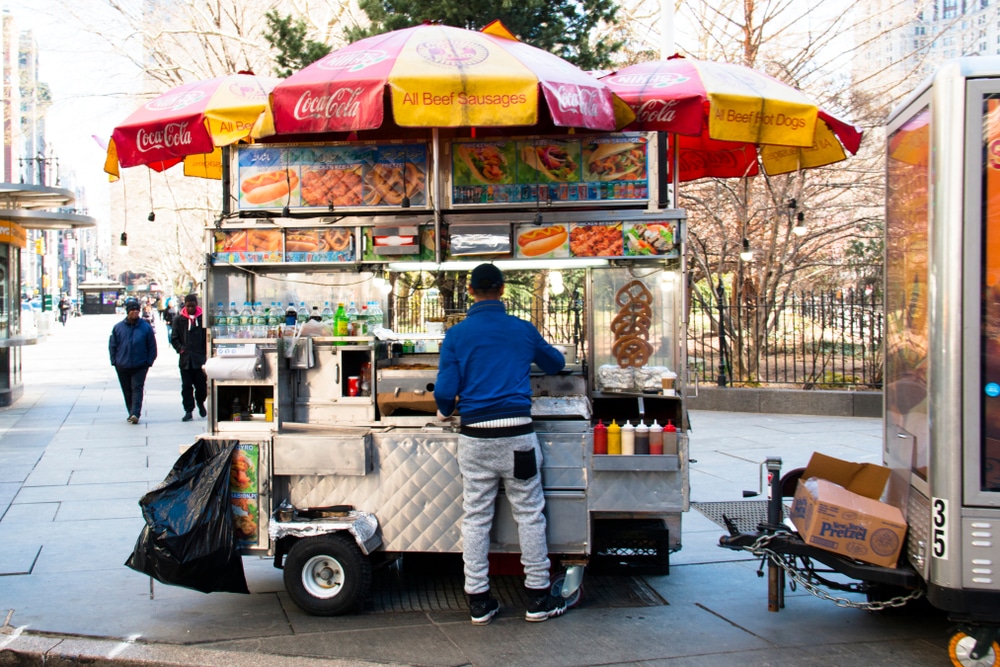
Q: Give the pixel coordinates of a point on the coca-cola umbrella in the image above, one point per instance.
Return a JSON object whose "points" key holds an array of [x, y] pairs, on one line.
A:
{"points": [[437, 76], [725, 113], [190, 123]]}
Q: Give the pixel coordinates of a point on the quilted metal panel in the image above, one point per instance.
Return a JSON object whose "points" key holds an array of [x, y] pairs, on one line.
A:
{"points": [[563, 465], [918, 521], [415, 491], [641, 491]]}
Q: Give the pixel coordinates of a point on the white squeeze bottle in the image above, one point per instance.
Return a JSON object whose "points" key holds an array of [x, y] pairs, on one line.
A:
{"points": [[655, 438], [628, 439]]}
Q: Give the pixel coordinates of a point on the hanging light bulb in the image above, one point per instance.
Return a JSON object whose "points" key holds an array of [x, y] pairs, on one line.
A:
{"points": [[800, 228], [556, 286], [385, 287], [746, 255], [123, 244], [667, 281]]}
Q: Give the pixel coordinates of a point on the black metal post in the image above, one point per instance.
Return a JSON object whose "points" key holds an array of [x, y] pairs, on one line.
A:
{"points": [[721, 292]]}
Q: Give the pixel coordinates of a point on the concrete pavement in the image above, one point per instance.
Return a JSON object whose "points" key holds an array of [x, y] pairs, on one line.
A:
{"points": [[72, 470]]}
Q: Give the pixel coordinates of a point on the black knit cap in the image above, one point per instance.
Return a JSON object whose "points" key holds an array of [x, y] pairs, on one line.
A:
{"points": [[486, 276], [131, 304]]}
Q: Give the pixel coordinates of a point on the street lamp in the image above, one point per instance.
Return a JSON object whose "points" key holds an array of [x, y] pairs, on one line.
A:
{"points": [[746, 254]]}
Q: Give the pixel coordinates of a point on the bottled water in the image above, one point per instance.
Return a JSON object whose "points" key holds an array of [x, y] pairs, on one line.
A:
{"points": [[274, 319], [303, 313], [233, 321], [246, 321], [375, 315], [352, 320], [259, 321], [221, 321], [327, 315]]}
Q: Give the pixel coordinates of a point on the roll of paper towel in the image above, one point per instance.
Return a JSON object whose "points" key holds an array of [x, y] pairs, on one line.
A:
{"points": [[233, 368]]}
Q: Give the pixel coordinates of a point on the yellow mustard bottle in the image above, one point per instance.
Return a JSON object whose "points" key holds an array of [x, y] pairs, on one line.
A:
{"points": [[614, 438]]}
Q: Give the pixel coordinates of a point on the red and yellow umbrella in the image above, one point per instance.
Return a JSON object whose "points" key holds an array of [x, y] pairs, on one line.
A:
{"points": [[725, 113], [190, 123], [441, 76]]}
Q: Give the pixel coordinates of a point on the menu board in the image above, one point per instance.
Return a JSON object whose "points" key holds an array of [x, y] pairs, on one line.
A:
{"points": [[597, 239], [542, 171], [332, 177], [260, 246], [244, 493]]}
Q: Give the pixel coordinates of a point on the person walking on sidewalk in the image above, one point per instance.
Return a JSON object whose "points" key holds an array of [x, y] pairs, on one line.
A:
{"points": [[132, 347], [188, 338], [485, 363]]}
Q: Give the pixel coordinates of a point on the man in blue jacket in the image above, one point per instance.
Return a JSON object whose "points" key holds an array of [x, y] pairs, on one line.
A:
{"points": [[484, 371], [132, 347]]}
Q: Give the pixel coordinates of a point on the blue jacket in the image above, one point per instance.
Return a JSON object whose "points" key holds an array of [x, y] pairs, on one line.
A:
{"points": [[132, 345], [485, 364]]}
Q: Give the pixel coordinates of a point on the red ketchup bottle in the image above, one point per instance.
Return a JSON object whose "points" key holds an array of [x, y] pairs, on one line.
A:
{"points": [[670, 438], [600, 438]]}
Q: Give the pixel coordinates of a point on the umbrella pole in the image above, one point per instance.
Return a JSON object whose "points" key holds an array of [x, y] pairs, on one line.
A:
{"points": [[226, 178], [675, 171], [435, 192]]}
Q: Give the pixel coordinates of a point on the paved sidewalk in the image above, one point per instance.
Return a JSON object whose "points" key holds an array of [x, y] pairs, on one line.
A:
{"points": [[72, 470]]}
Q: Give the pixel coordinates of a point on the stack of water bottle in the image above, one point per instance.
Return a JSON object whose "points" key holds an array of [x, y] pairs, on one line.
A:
{"points": [[256, 321]]}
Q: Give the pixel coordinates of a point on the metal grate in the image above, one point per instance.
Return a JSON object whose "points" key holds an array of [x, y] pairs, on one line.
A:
{"points": [[747, 514], [417, 589]]}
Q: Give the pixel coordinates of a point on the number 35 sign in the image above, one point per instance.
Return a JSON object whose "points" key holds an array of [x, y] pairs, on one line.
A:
{"points": [[939, 524]]}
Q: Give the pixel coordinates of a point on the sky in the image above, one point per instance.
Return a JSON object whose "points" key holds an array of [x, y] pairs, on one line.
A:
{"points": [[89, 84]]}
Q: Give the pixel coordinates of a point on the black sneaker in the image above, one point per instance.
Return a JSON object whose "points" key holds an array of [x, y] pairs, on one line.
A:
{"points": [[483, 610], [542, 605], [187, 417], [133, 419], [201, 410]]}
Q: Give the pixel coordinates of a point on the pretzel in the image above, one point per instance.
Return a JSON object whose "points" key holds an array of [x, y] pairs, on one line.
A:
{"points": [[625, 324], [634, 292], [631, 351]]}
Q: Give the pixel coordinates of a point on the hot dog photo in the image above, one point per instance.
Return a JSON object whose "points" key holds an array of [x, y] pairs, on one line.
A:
{"points": [[547, 240], [269, 187], [301, 240]]}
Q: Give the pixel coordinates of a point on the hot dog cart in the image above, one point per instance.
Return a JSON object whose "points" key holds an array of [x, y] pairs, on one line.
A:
{"points": [[341, 462]]}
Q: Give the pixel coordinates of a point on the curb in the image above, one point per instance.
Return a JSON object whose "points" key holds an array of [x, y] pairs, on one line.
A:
{"points": [[26, 650]]}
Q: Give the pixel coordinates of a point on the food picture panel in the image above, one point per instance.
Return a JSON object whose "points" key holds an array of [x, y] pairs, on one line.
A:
{"points": [[546, 171], [535, 241], [649, 239], [331, 177], [599, 239], [319, 245], [244, 493], [247, 246]]}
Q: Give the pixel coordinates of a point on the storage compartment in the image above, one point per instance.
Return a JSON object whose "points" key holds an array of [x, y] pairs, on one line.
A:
{"points": [[242, 402], [323, 455]]}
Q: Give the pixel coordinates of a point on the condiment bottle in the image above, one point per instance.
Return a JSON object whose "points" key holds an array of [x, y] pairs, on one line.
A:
{"points": [[642, 438], [655, 438], [614, 438], [670, 438], [600, 438], [628, 439]]}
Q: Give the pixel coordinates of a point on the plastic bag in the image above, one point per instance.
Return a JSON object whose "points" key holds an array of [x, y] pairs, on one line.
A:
{"points": [[188, 539]]}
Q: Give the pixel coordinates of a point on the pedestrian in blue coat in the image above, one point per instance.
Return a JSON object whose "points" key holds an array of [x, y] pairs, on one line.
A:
{"points": [[132, 347]]}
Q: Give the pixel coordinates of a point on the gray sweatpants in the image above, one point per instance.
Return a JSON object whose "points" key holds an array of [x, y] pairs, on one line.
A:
{"points": [[484, 462]]}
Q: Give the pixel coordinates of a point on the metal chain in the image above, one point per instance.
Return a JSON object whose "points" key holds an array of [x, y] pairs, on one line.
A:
{"points": [[759, 548]]}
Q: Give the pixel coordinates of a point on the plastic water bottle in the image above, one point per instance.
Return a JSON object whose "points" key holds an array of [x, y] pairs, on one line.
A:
{"points": [[233, 321], [291, 315], [259, 321], [274, 319], [352, 320], [303, 313], [246, 321], [374, 315], [221, 321]]}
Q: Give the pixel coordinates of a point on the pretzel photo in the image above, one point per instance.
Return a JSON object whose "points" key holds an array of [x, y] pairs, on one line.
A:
{"points": [[335, 240]]}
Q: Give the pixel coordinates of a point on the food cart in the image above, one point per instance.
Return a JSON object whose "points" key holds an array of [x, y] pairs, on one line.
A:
{"points": [[341, 462]]}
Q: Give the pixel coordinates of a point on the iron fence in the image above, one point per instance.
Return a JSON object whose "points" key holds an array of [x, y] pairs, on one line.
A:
{"points": [[810, 340]]}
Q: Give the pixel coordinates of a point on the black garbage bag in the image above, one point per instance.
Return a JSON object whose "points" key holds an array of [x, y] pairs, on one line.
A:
{"points": [[188, 539]]}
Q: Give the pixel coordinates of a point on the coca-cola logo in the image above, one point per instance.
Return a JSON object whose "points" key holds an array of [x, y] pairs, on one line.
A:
{"points": [[176, 100], [341, 103], [455, 52], [247, 91], [658, 80], [585, 101], [352, 62], [656, 111], [170, 136]]}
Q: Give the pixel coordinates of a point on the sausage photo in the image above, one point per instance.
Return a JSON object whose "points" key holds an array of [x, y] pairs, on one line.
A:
{"points": [[269, 186], [542, 240]]}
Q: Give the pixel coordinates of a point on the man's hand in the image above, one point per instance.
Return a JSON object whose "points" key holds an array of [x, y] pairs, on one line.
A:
{"points": [[441, 417]]}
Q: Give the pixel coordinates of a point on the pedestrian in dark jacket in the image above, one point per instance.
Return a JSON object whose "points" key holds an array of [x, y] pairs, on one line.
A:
{"points": [[188, 338], [132, 347]]}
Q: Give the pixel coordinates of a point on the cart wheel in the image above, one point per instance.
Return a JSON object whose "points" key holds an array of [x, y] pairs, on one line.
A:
{"points": [[327, 575], [557, 584], [961, 646]]}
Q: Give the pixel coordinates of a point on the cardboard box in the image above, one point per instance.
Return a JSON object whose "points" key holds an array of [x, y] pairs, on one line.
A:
{"points": [[836, 508]]}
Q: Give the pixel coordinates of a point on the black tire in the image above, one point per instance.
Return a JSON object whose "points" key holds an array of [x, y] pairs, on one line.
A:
{"points": [[327, 575]]}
